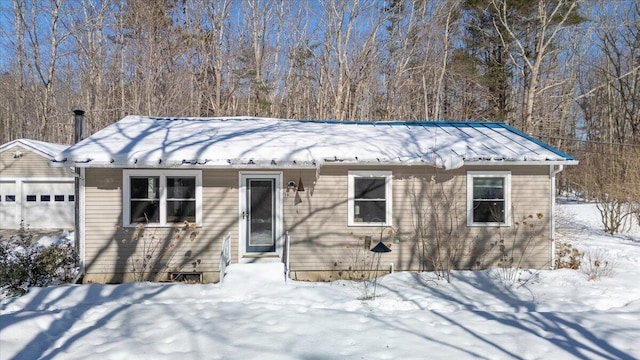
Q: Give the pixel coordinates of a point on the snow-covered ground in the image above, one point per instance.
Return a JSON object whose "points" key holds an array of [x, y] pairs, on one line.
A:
{"points": [[558, 314]]}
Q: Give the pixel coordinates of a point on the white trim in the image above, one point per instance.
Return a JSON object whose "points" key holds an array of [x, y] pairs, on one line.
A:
{"points": [[552, 213], [242, 208], [80, 238], [388, 176], [162, 174], [17, 203], [507, 197]]}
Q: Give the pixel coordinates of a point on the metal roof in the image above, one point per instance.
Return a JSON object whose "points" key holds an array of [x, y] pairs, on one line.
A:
{"points": [[144, 141]]}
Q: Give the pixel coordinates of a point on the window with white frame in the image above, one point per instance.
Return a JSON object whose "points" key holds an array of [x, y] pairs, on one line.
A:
{"points": [[488, 198], [369, 198], [162, 197]]}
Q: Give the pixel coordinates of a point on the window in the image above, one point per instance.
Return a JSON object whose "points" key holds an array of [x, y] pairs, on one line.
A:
{"points": [[45, 197], [181, 199], [31, 198], [71, 198], [369, 198], [58, 198], [10, 198], [488, 198], [145, 199], [161, 197]]}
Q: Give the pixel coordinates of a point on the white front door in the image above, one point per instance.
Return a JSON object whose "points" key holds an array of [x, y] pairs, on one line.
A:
{"points": [[260, 218]]}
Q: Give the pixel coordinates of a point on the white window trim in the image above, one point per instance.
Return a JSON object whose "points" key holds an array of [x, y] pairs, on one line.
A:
{"points": [[162, 174], [351, 196], [507, 197]]}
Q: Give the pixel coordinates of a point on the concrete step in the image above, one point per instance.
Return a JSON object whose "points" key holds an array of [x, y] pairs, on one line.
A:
{"points": [[253, 276]]}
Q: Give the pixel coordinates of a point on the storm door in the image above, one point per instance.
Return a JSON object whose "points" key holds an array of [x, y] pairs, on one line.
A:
{"points": [[259, 214]]}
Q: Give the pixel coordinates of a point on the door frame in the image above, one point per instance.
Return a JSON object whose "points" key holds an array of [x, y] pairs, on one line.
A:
{"points": [[243, 256]]}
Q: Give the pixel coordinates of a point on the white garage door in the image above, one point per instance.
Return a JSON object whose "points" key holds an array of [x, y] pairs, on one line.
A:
{"points": [[8, 205], [48, 204]]}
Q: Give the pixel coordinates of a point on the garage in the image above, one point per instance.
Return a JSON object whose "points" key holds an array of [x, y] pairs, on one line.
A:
{"points": [[48, 204], [8, 208], [31, 191]]}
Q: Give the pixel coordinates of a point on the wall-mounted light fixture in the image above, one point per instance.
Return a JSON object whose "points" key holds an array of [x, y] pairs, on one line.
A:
{"points": [[291, 186]]}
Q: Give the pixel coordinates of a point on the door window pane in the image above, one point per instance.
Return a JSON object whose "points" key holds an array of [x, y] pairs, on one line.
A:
{"points": [[261, 208]]}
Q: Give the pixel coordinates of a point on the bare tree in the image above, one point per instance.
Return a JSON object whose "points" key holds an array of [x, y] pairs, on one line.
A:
{"points": [[38, 43], [532, 31], [344, 65]]}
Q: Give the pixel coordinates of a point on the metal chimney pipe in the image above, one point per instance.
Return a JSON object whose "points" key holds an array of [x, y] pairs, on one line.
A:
{"points": [[78, 122]]}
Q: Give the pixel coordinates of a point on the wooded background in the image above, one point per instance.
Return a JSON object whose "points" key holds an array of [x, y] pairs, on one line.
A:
{"points": [[565, 71]]}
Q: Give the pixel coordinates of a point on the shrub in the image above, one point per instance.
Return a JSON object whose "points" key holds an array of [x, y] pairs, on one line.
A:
{"points": [[157, 253], [24, 264], [596, 265], [567, 257], [515, 246]]}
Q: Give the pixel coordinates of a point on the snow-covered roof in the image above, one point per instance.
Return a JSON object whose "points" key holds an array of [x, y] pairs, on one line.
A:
{"points": [[46, 149], [143, 141]]}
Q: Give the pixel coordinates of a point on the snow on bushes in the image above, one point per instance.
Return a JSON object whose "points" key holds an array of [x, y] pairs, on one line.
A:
{"points": [[25, 263]]}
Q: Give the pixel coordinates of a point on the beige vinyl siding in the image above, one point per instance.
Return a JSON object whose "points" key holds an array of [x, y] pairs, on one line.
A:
{"points": [[322, 241], [112, 251], [323, 246], [30, 164]]}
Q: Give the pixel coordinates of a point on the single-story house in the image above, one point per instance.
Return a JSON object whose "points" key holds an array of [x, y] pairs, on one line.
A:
{"points": [[31, 191], [163, 196]]}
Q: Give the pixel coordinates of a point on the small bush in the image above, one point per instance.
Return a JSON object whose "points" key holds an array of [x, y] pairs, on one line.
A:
{"points": [[596, 265], [567, 257], [157, 254], [515, 247], [24, 264]]}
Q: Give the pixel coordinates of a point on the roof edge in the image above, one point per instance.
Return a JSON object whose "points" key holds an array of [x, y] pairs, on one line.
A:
{"points": [[30, 144], [539, 142]]}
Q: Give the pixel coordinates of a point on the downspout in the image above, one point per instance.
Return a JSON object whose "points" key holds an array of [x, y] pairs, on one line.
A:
{"points": [[78, 121], [552, 209]]}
